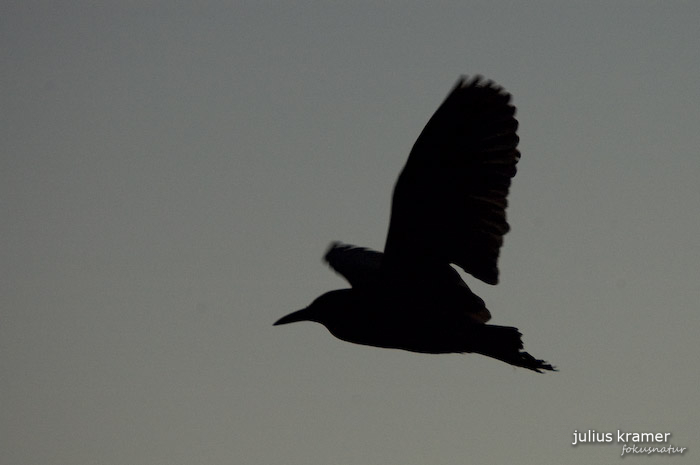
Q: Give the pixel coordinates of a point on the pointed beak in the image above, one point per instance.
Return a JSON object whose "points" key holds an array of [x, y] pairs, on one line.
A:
{"points": [[299, 315]]}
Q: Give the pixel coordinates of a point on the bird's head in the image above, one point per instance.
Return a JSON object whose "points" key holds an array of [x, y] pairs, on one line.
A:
{"points": [[326, 309]]}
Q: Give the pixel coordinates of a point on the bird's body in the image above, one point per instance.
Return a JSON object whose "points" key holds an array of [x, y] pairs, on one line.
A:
{"points": [[381, 320], [448, 208]]}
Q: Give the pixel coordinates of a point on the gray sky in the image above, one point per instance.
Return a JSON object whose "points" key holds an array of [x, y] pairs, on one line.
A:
{"points": [[172, 173]]}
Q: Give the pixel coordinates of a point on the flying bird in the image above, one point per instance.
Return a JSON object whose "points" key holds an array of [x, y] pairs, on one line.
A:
{"points": [[448, 208]]}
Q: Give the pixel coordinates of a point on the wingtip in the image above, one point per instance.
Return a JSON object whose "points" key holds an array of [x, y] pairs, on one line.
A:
{"points": [[477, 80], [332, 247]]}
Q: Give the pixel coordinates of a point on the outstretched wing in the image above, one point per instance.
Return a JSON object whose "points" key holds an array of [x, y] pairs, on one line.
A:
{"points": [[360, 266], [450, 200]]}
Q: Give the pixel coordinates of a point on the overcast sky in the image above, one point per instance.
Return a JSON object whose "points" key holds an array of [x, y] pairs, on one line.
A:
{"points": [[172, 172]]}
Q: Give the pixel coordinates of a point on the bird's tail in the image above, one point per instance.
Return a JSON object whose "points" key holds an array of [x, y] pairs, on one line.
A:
{"points": [[504, 343]]}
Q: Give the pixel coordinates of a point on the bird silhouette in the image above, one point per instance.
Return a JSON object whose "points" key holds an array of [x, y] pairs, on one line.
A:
{"points": [[448, 208]]}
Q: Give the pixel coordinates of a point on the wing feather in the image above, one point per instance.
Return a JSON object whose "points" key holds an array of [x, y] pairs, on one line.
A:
{"points": [[360, 266], [450, 199]]}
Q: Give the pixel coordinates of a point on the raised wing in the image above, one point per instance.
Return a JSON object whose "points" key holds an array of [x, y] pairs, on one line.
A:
{"points": [[449, 202], [360, 266]]}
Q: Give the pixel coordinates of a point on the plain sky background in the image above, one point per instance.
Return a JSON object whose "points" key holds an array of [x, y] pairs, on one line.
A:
{"points": [[172, 172]]}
